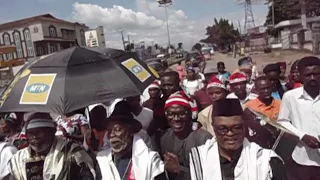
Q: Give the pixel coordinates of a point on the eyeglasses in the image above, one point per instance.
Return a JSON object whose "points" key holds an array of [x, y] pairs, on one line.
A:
{"points": [[180, 115], [223, 130]]}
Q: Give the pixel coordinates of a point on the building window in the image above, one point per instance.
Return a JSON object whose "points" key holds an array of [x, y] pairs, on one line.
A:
{"points": [[52, 31], [35, 29], [17, 41], [83, 38], [29, 45], [27, 35], [1, 58], [40, 50], [6, 40], [52, 49]]}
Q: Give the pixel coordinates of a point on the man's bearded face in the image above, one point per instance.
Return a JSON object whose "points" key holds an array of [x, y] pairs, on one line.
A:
{"points": [[120, 136]]}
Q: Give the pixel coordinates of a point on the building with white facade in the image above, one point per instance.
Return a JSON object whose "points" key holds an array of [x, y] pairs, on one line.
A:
{"points": [[95, 37], [40, 35]]}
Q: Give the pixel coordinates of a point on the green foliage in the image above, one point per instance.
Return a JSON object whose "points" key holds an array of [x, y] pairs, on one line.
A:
{"points": [[221, 33], [291, 9]]}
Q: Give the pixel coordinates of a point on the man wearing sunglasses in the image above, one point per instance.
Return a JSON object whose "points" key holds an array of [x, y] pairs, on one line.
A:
{"points": [[230, 155]]}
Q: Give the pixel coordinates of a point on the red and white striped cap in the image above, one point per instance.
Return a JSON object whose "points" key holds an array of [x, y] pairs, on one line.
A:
{"points": [[215, 82], [238, 77], [181, 98], [177, 99], [155, 85]]}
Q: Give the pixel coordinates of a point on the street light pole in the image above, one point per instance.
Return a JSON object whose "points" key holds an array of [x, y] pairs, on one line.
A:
{"points": [[168, 32], [166, 4]]}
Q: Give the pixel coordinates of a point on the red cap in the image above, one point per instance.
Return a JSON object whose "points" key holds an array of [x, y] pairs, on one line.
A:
{"points": [[155, 85], [237, 77], [215, 82]]}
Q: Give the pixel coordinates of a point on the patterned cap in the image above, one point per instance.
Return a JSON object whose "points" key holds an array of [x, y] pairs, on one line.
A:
{"points": [[215, 82], [238, 77], [181, 98], [155, 85]]}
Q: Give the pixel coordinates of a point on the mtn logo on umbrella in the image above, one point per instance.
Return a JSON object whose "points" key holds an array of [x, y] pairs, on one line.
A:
{"points": [[38, 88], [137, 69]]}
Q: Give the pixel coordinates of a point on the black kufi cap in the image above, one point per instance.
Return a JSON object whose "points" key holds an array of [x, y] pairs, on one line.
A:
{"points": [[272, 67], [294, 65], [227, 107], [308, 61], [244, 61]]}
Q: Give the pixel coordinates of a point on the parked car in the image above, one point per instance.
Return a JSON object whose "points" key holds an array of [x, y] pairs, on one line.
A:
{"points": [[157, 67], [210, 49], [206, 54], [162, 61], [196, 58]]}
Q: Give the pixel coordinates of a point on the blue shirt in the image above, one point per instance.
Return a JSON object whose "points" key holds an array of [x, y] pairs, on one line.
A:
{"points": [[276, 95], [226, 76]]}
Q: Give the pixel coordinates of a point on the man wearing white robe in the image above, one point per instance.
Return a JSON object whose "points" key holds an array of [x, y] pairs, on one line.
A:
{"points": [[229, 155], [128, 157], [6, 152]]}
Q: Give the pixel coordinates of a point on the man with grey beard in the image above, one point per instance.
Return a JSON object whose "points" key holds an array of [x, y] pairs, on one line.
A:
{"points": [[128, 157]]}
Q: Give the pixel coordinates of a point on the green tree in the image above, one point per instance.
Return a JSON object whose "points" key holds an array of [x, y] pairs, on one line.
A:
{"points": [[221, 33], [291, 9]]}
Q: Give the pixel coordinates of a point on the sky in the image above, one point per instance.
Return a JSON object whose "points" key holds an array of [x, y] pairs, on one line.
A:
{"points": [[142, 20]]}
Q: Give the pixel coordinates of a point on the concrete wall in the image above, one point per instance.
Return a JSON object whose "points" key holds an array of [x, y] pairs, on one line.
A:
{"points": [[306, 46]]}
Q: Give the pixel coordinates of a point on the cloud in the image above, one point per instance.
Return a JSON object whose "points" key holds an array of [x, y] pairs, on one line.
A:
{"points": [[147, 24], [116, 17]]}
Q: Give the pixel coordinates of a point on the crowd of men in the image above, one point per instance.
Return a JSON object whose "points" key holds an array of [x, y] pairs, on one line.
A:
{"points": [[224, 130]]}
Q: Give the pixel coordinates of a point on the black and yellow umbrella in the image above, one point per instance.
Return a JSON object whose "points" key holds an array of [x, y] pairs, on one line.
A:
{"points": [[75, 78]]}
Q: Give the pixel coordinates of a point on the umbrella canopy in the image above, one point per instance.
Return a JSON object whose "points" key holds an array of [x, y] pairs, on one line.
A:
{"points": [[75, 78]]}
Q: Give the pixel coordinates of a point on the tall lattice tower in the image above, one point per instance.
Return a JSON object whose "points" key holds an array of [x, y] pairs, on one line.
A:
{"points": [[249, 18]]}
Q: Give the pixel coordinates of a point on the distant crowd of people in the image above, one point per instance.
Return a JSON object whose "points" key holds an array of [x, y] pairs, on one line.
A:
{"points": [[187, 125]]}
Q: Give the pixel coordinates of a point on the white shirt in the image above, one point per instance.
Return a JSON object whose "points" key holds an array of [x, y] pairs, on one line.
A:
{"points": [[192, 86], [250, 96], [145, 117], [145, 95], [300, 114]]}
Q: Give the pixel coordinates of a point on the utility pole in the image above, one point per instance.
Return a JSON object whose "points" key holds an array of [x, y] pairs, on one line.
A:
{"points": [[249, 18], [124, 44], [273, 19], [303, 14], [239, 27]]}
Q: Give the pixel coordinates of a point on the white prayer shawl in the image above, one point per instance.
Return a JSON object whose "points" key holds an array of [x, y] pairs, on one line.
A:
{"points": [[54, 161], [6, 153], [146, 164], [253, 163]]}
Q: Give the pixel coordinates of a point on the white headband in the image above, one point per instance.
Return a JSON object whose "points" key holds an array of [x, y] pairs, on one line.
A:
{"points": [[38, 123], [215, 84], [238, 80]]}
